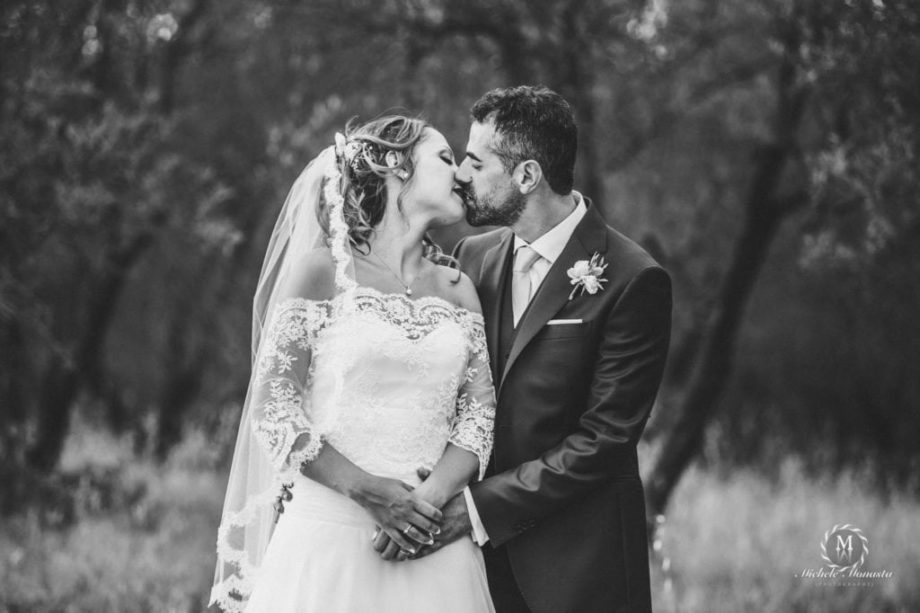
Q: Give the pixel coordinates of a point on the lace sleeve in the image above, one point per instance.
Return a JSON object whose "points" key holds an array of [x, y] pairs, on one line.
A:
{"points": [[280, 402], [475, 418]]}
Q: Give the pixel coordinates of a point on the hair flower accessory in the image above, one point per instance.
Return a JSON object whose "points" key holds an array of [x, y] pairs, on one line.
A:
{"points": [[340, 144], [585, 275], [348, 149]]}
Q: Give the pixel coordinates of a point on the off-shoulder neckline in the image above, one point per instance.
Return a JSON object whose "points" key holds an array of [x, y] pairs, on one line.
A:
{"points": [[414, 302]]}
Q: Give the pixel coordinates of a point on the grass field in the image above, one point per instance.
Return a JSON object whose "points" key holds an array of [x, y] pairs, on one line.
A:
{"points": [[729, 544], [155, 555], [738, 543]]}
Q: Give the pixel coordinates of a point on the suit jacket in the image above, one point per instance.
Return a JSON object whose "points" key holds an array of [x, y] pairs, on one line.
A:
{"points": [[564, 497]]}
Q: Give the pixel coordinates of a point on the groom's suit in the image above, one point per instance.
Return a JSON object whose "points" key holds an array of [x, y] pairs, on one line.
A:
{"points": [[562, 502]]}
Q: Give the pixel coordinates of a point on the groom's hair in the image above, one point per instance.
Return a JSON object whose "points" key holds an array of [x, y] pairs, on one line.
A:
{"points": [[534, 123]]}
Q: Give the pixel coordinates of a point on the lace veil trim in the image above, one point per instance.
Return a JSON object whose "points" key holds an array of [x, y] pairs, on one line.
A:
{"points": [[248, 517]]}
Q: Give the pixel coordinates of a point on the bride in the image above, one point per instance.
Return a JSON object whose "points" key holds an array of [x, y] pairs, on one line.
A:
{"points": [[372, 366]]}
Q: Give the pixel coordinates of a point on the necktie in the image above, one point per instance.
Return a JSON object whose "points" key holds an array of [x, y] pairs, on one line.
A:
{"points": [[522, 280]]}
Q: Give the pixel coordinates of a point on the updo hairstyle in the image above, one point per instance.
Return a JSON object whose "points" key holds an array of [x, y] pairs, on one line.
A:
{"points": [[373, 151]]}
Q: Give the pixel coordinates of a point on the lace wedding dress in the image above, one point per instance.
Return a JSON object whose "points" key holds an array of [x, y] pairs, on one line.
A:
{"points": [[388, 381]]}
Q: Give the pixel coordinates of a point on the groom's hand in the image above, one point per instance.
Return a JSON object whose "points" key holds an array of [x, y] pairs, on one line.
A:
{"points": [[455, 524]]}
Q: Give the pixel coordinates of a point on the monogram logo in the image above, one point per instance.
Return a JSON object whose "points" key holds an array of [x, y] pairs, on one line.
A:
{"points": [[844, 547], [845, 550]]}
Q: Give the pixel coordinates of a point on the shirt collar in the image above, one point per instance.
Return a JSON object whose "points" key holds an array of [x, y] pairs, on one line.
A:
{"points": [[551, 243]]}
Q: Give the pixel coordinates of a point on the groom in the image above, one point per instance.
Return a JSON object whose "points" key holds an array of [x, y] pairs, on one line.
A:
{"points": [[578, 320]]}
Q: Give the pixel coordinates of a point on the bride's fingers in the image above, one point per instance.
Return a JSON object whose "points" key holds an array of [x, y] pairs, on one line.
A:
{"points": [[422, 538], [400, 541], [429, 510], [392, 550], [380, 541], [425, 525]]}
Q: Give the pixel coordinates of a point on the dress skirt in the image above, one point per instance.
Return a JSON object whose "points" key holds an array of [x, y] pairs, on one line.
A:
{"points": [[320, 559]]}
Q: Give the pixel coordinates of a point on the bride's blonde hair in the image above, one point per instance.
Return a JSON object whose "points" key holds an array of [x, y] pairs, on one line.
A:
{"points": [[373, 151]]}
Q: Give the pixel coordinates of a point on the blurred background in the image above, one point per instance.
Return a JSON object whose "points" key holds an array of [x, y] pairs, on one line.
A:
{"points": [[766, 152]]}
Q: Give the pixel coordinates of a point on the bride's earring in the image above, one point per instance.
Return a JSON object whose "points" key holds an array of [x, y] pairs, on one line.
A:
{"points": [[392, 161]]}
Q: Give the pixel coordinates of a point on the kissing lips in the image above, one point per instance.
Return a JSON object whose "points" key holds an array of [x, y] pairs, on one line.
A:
{"points": [[463, 192]]}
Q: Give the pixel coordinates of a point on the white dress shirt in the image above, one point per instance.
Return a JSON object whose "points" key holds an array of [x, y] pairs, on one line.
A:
{"points": [[549, 246]]}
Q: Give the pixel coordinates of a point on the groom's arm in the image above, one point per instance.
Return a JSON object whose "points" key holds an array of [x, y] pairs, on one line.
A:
{"points": [[628, 370]]}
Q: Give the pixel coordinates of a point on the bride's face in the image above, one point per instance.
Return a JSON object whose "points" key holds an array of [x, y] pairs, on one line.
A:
{"points": [[432, 191]]}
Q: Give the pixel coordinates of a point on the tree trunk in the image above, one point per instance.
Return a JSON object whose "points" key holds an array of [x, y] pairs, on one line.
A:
{"points": [[181, 391], [14, 381], [764, 213], [60, 386], [178, 48], [66, 377], [186, 350], [714, 362], [576, 83]]}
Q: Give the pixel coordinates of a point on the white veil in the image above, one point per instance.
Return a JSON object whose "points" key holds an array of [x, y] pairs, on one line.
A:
{"points": [[248, 515]]}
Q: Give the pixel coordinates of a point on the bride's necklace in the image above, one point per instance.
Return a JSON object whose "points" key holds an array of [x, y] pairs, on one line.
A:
{"points": [[399, 278]]}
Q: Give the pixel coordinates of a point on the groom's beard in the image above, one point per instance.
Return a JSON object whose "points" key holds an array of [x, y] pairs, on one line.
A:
{"points": [[488, 210]]}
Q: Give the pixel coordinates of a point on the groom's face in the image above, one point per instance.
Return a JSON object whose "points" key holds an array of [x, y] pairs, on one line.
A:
{"points": [[493, 197]]}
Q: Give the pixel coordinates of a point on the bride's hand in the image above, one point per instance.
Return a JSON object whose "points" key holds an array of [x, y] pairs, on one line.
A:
{"points": [[405, 520], [430, 491]]}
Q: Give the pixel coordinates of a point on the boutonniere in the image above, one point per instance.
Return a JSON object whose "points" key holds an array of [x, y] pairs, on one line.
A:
{"points": [[585, 275]]}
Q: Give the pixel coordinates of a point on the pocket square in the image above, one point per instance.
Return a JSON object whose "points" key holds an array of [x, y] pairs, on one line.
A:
{"points": [[562, 322]]}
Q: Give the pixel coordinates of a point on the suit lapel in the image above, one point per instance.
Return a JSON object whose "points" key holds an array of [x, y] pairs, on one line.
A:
{"points": [[492, 282], [589, 237]]}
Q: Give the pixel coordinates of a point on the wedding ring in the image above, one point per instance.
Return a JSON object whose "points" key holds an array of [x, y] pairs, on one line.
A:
{"points": [[406, 529]]}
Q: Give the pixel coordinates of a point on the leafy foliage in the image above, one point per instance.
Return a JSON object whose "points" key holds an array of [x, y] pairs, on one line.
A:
{"points": [[148, 145]]}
